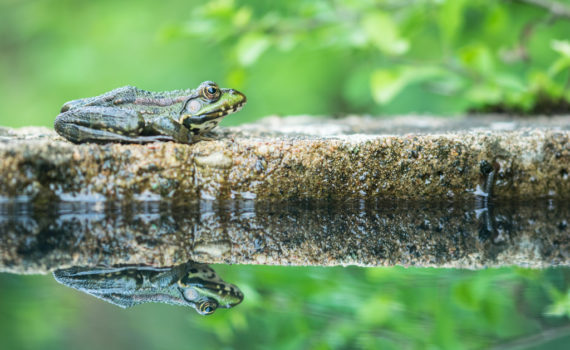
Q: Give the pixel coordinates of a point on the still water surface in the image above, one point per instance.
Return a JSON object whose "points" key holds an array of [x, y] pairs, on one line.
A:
{"points": [[288, 307]]}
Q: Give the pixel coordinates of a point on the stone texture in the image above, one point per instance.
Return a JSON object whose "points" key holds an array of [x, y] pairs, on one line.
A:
{"points": [[292, 158], [293, 191]]}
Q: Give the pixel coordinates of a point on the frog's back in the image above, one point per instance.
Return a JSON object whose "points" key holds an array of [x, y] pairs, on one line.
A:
{"points": [[133, 98], [105, 100]]}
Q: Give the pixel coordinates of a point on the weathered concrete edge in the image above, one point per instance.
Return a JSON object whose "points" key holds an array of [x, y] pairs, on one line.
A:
{"points": [[527, 164]]}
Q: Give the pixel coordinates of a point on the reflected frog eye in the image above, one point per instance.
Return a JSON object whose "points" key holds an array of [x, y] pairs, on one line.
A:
{"points": [[207, 307], [211, 92]]}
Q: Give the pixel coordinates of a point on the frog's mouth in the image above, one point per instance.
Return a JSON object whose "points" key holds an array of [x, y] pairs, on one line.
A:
{"points": [[208, 121], [223, 111], [225, 295]]}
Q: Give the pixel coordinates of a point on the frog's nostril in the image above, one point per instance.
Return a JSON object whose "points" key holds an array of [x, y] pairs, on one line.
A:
{"points": [[235, 92]]}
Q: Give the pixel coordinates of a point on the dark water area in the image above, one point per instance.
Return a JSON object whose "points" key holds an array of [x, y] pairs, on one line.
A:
{"points": [[151, 258]]}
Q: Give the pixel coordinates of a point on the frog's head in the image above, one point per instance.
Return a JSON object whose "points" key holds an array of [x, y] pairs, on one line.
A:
{"points": [[208, 105], [202, 288]]}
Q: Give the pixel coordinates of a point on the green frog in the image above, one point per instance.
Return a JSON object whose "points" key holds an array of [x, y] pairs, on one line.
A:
{"points": [[131, 115], [189, 284]]}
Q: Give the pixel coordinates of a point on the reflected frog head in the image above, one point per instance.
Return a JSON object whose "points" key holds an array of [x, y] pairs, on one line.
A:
{"points": [[202, 288]]}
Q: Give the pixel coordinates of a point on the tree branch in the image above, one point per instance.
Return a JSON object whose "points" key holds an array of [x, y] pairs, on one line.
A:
{"points": [[535, 340], [555, 8]]}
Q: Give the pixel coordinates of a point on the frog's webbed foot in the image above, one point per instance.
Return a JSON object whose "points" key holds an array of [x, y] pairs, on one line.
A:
{"points": [[207, 136], [197, 138]]}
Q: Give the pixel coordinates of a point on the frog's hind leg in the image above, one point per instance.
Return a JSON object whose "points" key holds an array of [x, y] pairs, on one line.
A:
{"points": [[103, 124], [80, 134]]}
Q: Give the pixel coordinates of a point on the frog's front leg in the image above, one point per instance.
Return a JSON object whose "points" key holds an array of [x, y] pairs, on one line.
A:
{"points": [[165, 125], [103, 124]]}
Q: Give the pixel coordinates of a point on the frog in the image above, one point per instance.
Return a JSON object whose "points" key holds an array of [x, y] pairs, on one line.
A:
{"points": [[190, 284], [131, 115]]}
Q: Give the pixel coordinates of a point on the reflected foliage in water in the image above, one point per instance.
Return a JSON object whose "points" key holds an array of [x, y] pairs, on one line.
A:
{"points": [[189, 284], [309, 307]]}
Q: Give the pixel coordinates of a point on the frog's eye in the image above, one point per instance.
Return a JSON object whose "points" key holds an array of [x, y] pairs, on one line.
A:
{"points": [[207, 307], [211, 92]]}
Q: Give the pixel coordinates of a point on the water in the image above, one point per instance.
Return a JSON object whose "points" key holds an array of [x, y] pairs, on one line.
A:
{"points": [[297, 306], [380, 233]]}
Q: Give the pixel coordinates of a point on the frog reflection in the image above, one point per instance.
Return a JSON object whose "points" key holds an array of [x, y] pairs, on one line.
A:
{"points": [[190, 284]]}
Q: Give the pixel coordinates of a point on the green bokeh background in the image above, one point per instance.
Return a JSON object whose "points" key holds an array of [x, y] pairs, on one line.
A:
{"points": [[295, 57], [333, 57]]}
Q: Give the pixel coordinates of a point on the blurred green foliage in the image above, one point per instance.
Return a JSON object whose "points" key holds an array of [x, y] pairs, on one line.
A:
{"points": [[478, 52], [293, 57], [307, 308]]}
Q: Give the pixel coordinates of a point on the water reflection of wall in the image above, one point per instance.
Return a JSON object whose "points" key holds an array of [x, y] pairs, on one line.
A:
{"points": [[377, 234]]}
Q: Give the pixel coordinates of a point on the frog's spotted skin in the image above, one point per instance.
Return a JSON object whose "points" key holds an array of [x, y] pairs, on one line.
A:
{"points": [[130, 115], [189, 284]]}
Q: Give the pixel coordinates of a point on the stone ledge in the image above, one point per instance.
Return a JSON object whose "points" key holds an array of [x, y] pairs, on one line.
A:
{"points": [[295, 158]]}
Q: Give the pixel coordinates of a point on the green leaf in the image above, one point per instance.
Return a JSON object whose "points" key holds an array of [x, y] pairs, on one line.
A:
{"points": [[387, 83], [242, 17], [450, 19], [383, 33], [464, 294], [561, 306], [560, 65], [484, 94], [561, 46], [219, 8], [250, 47], [378, 310], [497, 20], [478, 58], [542, 82], [509, 82]]}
